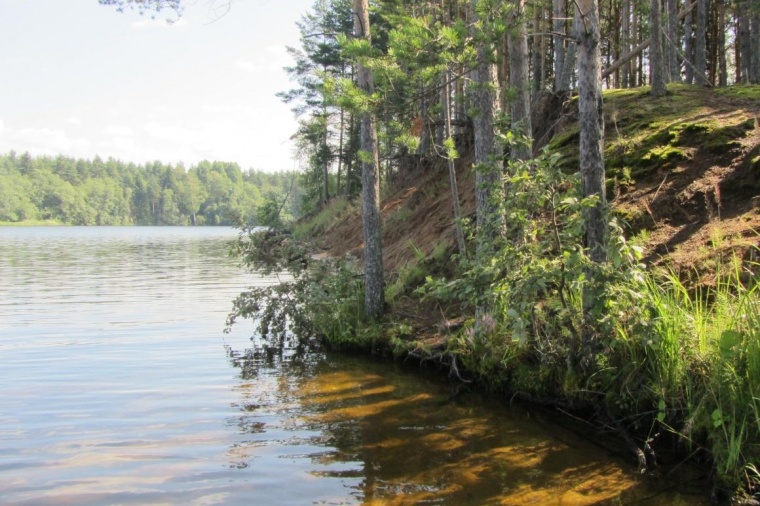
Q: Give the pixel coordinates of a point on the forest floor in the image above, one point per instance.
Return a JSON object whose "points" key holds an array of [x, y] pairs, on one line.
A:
{"points": [[683, 172]]}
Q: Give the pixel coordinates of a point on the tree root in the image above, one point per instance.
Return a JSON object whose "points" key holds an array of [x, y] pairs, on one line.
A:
{"points": [[645, 456]]}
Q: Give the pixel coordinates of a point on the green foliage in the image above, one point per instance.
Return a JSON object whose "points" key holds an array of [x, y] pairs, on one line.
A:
{"points": [[411, 276], [663, 357], [94, 192], [319, 222], [315, 299], [324, 93], [271, 211], [703, 356]]}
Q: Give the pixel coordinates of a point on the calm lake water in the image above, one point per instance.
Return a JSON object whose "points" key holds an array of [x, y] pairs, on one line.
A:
{"points": [[119, 387]]}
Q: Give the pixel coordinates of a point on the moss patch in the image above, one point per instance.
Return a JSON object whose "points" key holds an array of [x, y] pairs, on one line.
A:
{"points": [[740, 92]]}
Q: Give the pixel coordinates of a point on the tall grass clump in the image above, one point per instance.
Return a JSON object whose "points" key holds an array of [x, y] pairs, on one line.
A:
{"points": [[703, 357], [316, 224]]}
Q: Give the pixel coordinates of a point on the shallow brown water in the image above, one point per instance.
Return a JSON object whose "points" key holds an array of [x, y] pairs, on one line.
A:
{"points": [[396, 436], [118, 387]]}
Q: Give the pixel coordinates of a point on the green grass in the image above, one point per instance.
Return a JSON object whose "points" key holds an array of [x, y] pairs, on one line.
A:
{"points": [[703, 360], [743, 92], [324, 219], [645, 135]]}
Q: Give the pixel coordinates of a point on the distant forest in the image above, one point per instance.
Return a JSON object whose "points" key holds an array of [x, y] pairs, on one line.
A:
{"points": [[112, 192]]}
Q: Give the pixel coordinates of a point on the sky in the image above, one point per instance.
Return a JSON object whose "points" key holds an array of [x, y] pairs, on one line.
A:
{"points": [[84, 80]]}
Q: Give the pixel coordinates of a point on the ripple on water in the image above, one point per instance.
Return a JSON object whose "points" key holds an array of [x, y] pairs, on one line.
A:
{"points": [[120, 388]]}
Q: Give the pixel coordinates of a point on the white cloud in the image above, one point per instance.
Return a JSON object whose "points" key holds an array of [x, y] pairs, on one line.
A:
{"points": [[237, 108], [169, 132], [125, 145], [249, 66], [75, 121], [275, 59], [51, 139], [42, 141], [161, 21], [119, 131]]}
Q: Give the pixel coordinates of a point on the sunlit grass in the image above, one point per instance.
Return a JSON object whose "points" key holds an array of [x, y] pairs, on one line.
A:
{"points": [[324, 219], [704, 356]]}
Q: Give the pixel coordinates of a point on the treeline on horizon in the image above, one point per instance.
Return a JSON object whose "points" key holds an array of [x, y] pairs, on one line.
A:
{"points": [[111, 192]]}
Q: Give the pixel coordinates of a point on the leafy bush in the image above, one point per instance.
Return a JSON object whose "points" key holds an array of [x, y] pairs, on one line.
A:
{"points": [[315, 299]]}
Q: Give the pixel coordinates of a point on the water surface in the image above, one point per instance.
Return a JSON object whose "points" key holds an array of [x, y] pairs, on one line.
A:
{"points": [[118, 387]]}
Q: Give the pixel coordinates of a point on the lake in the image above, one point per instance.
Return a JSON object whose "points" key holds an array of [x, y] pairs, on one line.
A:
{"points": [[119, 387]]}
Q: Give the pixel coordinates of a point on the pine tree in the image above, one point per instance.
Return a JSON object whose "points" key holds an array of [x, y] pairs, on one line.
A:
{"points": [[371, 219]]}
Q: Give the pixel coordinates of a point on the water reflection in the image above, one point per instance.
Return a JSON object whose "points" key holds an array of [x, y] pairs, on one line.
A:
{"points": [[392, 437], [116, 390]]}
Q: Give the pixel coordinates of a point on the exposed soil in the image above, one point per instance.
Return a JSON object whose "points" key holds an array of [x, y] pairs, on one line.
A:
{"points": [[417, 213], [684, 172], [706, 205]]}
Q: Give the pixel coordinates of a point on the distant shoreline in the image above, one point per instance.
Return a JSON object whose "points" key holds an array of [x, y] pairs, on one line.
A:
{"points": [[53, 223]]}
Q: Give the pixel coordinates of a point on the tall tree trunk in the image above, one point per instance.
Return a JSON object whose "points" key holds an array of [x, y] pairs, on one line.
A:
{"points": [[325, 160], [350, 157], [700, 46], [340, 150], [542, 49], [519, 107], [537, 76], [634, 39], [502, 72], [673, 43], [424, 146], [754, 41], [591, 122], [566, 78], [712, 46], [637, 51], [640, 65], [625, 41], [743, 41], [487, 173], [559, 14], [452, 168], [616, 40], [688, 51], [371, 219], [722, 63], [656, 60], [459, 102]]}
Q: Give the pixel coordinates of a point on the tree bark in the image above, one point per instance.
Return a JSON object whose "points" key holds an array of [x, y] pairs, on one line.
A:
{"points": [[743, 42], [656, 60], [487, 173], [565, 81], [340, 150], [673, 42], [424, 147], [754, 52], [685, 13], [700, 46], [351, 153], [559, 14], [688, 50], [591, 121], [722, 63], [537, 56], [591, 157], [625, 41], [326, 161], [371, 218], [452, 168], [519, 107]]}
